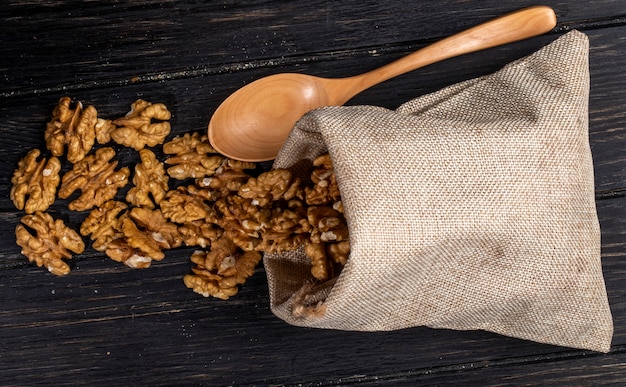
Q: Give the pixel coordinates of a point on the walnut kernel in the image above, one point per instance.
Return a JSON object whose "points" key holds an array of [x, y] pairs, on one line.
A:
{"points": [[50, 243], [72, 127], [35, 182], [150, 181], [103, 224], [95, 176], [137, 129], [193, 157], [219, 271]]}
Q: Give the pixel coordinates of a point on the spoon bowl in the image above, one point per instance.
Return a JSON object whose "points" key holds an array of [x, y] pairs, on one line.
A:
{"points": [[253, 110], [254, 122]]}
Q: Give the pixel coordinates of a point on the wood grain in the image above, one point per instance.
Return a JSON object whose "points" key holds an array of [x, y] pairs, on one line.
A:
{"points": [[107, 323], [98, 43]]}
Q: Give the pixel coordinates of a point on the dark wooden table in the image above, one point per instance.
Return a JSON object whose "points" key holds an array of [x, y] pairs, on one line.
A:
{"points": [[105, 323]]}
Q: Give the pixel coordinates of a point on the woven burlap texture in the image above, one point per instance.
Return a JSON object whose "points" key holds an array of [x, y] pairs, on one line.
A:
{"points": [[469, 208]]}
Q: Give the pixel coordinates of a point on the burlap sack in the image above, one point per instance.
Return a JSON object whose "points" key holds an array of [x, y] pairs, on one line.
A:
{"points": [[469, 208]]}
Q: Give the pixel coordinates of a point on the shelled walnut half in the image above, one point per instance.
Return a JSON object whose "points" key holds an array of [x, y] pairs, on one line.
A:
{"points": [[191, 156], [35, 182], [325, 189], [74, 128], [95, 176], [187, 204], [140, 236], [150, 181], [103, 224], [47, 242], [227, 178], [145, 124], [328, 246], [219, 271]]}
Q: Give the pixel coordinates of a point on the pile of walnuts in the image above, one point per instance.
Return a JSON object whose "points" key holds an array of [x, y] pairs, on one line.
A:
{"points": [[194, 197]]}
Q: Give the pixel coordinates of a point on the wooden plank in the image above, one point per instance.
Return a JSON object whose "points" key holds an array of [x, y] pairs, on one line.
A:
{"points": [[104, 316], [109, 323], [51, 45], [193, 100], [582, 370]]}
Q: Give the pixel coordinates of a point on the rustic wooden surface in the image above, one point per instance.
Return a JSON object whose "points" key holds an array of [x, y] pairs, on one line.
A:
{"points": [[108, 324]]}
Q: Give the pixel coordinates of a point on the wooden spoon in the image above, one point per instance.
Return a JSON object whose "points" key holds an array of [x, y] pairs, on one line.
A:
{"points": [[253, 123]]}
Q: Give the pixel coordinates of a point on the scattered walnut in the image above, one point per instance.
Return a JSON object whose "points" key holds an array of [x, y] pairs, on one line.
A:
{"points": [[325, 189], [227, 179], [272, 186], [120, 250], [72, 127], [199, 233], [328, 225], [193, 157], [219, 271], [148, 231], [187, 204], [230, 212], [95, 176], [320, 265], [288, 228], [50, 243], [104, 224], [242, 221], [35, 182], [144, 235], [103, 130], [136, 129], [150, 181]]}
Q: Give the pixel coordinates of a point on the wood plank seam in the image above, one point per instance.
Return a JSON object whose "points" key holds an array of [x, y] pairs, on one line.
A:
{"points": [[465, 367], [284, 61]]}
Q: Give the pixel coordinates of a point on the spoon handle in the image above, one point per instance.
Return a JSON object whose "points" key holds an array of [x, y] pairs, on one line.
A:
{"points": [[509, 28]]}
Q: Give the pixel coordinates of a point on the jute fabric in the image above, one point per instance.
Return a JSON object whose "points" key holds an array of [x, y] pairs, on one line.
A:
{"points": [[469, 208]]}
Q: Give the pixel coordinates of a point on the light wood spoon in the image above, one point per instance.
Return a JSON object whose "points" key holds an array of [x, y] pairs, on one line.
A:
{"points": [[253, 123]]}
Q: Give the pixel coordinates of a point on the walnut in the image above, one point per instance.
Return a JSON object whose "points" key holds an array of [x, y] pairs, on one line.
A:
{"points": [[325, 189], [193, 157], [320, 265], [228, 178], [187, 204], [144, 235], [219, 271], [327, 260], [35, 182], [104, 224], [339, 252], [199, 233], [72, 127], [103, 130], [50, 243], [288, 228], [328, 246], [242, 221], [267, 215], [328, 224], [150, 181], [95, 176], [271, 186], [120, 250], [338, 206], [137, 129]]}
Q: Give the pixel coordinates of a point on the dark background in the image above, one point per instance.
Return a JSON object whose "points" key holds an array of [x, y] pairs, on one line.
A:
{"points": [[105, 323]]}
